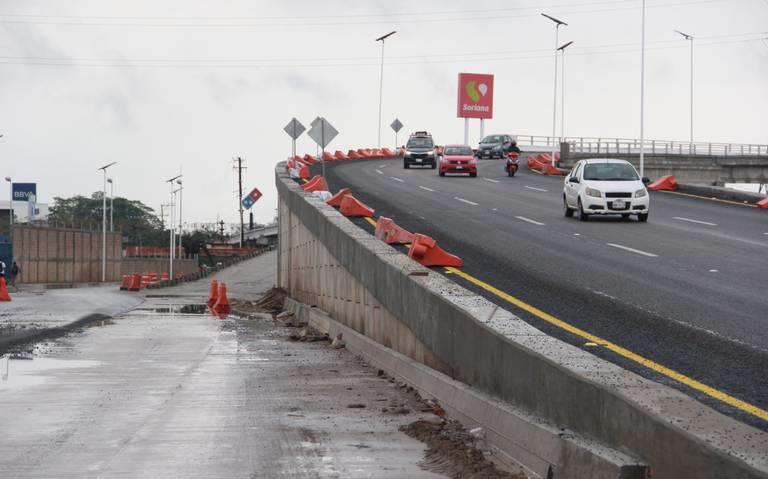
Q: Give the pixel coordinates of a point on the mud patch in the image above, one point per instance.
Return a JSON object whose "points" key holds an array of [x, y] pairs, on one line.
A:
{"points": [[270, 303], [452, 451]]}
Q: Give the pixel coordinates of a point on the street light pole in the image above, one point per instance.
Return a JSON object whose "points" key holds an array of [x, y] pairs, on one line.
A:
{"points": [[642, 93], [562, 89], [111, 205], [10, 198], [381, 78], [690, 38], [554, 96], [181, 203], [104, 223], [171, 226]]}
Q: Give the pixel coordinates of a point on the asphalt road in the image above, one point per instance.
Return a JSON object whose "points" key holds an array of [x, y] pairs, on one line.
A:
{"points": [[687, 289], [164, 392]]}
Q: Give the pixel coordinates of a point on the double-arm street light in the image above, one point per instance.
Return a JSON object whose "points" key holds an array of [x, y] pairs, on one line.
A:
{"points": [[171, 226], [381, 79], [690, 38], [554, 96], [104, 223]]}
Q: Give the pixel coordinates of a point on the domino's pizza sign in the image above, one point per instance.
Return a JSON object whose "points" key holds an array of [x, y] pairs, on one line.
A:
{"points": [[22, 191], [252, 198]]}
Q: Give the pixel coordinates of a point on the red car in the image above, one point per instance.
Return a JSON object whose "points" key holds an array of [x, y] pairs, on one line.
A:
{"points": [[458, 159]]}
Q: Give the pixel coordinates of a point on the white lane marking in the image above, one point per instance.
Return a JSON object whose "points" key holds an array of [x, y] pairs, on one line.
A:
{"points": [[633, 250], [680, 218], [379, 172], [537, 189], [398, 179], [492, 181], [426, 189], [576, 234], [766, 234], [383, 166], [528, 220], [713, 271], [465, 201], [494, 209]]}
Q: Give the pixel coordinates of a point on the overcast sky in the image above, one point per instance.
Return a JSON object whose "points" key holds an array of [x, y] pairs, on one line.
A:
{"points": [[162, 86]]}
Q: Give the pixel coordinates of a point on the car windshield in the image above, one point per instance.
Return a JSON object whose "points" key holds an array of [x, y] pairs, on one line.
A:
{"points": [[420, 143], [491, 139], [458, 151], [610, 172]]}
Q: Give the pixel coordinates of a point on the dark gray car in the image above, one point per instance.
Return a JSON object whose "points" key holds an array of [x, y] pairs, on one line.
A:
{"points": [[420, 151], [495, 146]]}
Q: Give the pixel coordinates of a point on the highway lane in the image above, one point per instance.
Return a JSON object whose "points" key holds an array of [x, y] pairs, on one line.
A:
{"points": [[685, 289]]}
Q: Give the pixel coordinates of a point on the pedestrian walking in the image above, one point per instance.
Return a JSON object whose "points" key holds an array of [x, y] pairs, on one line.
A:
{"points": [[15, 272], [2, 269]]}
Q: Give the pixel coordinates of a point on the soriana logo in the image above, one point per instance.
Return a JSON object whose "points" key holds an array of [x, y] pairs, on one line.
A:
{"points": [[475, 95]]}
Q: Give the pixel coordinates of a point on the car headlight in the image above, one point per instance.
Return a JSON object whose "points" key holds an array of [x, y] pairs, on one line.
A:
{"points": [[593, 192], [640, 193], [407, 153], [431, 153]]}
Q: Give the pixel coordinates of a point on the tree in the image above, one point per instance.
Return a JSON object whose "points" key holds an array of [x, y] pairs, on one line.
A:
{"points": [[136, 220]]}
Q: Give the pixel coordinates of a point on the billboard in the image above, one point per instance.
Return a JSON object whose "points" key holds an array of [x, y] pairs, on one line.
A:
{"points": [[21, 191], [475, 99]]}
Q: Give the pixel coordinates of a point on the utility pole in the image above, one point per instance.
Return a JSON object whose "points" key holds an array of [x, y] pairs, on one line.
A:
{"points": [[240, 197], [221, 229]]}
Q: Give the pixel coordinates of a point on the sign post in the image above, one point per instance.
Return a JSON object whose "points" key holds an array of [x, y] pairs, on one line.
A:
{"points": [[252, 198], [294, 128], [322, 132], [475, 100], [396, 125]]}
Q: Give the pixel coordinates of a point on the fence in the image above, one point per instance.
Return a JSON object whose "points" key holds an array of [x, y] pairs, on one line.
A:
{"points": [[653, 147], [59, 255]]}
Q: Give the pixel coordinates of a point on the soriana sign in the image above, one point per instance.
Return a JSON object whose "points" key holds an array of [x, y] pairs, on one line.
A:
{"points": [[475, 95]]}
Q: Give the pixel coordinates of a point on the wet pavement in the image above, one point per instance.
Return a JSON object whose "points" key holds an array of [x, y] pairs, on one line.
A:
{"points": [[164, 391]]}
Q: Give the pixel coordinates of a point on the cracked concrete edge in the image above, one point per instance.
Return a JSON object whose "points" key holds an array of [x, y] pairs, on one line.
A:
{"points": [[547, 377], [517, 438]]}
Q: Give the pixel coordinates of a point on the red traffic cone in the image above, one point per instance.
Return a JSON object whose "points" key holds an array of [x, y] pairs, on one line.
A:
{"points": [[4, 296], [214, 296], [222, 305]]}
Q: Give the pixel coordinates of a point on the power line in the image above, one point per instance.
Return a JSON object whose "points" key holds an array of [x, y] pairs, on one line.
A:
{"points": [[288, 21], [30, 61]]}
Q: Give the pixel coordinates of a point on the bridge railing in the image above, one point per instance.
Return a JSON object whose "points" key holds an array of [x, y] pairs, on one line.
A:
{"points": [[653, 147]]}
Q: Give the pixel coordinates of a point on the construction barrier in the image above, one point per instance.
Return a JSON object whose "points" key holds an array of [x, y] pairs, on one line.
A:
{"points": [[340, 155], [352, 207], [213, 297], [125, 283], [763, 203], [335, 200], [221, 307], [136, 283], [303, 172], [165, 276], [328, 157], [425, 251], [389, 232], [4, 296], [317, 183], [309, 159], [387, 152], [665, 183]]}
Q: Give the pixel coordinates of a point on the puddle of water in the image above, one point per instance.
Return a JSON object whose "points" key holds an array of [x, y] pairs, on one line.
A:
{"points": [[178, 309], [19, 371]]}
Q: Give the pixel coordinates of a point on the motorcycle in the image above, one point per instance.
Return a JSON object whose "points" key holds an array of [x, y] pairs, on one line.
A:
{"points": [[511, 164]]}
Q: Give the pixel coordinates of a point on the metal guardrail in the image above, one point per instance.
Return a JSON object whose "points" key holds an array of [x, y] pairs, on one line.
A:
{"points": [[653, 147]]}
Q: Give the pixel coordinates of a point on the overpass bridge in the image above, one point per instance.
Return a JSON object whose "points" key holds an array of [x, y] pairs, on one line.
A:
{"points": [[690, 162], [645, 342]]}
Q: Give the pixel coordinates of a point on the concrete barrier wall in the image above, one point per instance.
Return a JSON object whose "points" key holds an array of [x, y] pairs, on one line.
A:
{"points": [[58, 255], [325, 260], [158, 265]]}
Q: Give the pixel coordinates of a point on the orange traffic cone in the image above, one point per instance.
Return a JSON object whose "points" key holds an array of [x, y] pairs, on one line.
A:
{"points": [[4, 296], [222, 307], [214, 296]]}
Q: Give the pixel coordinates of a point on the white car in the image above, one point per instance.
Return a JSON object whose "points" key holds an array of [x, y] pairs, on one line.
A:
{"points": [[603, 186]]}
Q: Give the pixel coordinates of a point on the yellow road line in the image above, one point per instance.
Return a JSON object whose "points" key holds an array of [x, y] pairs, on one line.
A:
{"points": [[371, 221], [728, 202], [305, 180], [690, 382]]}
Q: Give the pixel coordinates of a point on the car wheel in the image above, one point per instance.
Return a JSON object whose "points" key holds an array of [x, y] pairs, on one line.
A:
{"points": [[582, 216], [568, 211], [642, 217], [442, 173], [473, 175]]}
